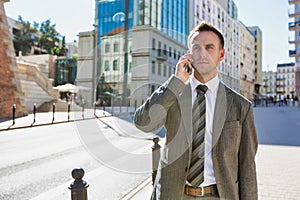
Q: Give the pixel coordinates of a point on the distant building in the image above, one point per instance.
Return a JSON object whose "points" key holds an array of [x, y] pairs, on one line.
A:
{"points": [[247, 67], [72, 49], [269, 86], [294, 27], [286, 80], [257, 58], [146, 54]]}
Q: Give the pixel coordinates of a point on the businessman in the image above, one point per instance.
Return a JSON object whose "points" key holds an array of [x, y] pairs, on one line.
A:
{"points": [[211, 138]]}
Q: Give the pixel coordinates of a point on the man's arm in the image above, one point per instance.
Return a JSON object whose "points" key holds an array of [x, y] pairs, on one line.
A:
{"points": [[152, 114], [247, 152]]}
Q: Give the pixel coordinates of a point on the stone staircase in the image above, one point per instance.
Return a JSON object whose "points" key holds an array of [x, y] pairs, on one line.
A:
{"points": [[36, 87], [60, 106]]}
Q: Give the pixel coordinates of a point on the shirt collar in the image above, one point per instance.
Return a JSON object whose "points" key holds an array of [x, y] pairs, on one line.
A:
{"points": [[211, 84]]}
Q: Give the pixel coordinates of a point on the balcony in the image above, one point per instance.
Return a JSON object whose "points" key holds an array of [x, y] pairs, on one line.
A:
{"points": [[280, 86], [294, 25], [143, 52], [161, 55], [280, 79], [293, 53]]}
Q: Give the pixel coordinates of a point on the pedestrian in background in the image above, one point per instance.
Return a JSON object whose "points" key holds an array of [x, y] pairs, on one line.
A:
{"points": [[211, 139]]}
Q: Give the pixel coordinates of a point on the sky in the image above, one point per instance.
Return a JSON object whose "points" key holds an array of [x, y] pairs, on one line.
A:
{"points": [[72, 17]]}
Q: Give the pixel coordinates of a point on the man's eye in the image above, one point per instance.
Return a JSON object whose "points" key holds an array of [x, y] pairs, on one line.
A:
{"points": [[196, 48]]}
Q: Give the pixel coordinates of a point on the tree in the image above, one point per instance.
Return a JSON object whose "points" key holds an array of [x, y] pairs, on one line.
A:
{"points": [[63, 50], [23, 38], [50, 39]]}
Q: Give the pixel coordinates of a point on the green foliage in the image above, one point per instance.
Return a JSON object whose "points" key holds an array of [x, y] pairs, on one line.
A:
{"points": [[44, 36], [50, 39], [24, 38]]}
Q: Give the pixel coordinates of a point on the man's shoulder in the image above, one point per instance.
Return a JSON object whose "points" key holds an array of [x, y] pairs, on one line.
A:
{"points": [[236, 95]]}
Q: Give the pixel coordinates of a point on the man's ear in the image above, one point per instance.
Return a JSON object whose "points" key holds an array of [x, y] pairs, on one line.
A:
{"points": [[222, 54]]}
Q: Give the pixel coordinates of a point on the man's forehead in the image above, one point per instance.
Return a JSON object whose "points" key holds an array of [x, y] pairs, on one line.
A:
{"points": [[205, 40]]}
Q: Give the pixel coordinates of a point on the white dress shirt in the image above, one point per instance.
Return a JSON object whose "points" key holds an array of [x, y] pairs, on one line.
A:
{"points": [[210, 96]]}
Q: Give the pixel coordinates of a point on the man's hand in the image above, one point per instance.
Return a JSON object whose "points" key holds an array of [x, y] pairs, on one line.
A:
{"points": [[181, 71]]}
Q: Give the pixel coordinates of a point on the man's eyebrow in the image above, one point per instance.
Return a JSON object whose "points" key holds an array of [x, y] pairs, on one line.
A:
{"points": [[210, 45]]}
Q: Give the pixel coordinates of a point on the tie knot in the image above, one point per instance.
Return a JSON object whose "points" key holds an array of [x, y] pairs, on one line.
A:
{"points": [[201, 89]]}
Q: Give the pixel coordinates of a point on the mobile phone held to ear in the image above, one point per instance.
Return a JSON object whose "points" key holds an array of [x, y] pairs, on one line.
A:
{"points": [[188, 69]]}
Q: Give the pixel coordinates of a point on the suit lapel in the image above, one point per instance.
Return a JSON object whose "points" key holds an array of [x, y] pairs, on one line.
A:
{"points": [[220, 113]]}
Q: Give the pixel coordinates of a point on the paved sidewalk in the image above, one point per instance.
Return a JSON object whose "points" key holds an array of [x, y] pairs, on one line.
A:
{"points": [[46, 118], [278, 171]]}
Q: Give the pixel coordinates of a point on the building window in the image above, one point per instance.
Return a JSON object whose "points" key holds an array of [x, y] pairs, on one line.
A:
{"points": [[165, 71], [152, 88], [159, 69], [170, 51], [153, 67], [106, 66], [107, 47], [159, 48], [153, 44], [116, 47], [115, 65], [174, 54], [130, 67]]}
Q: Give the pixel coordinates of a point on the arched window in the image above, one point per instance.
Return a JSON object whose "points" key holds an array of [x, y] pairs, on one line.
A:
{"points": [[115, 65]]}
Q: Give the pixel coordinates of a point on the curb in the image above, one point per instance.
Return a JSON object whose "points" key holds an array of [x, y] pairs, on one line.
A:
{"points": [[137, 189]]}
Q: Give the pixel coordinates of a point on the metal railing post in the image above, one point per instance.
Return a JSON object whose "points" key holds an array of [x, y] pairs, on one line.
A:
{"points": [[34, 113], [103, 108], [78, 187], [155, 157], [14, 114], [82, 114], [69, 109], [53, 111]]}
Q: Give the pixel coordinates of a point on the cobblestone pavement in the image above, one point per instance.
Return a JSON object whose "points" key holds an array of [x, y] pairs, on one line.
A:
{"points": [[278, 170]]}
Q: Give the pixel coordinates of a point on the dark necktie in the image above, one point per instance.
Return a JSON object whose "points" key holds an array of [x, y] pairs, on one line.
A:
{"points": [[196, 171]]}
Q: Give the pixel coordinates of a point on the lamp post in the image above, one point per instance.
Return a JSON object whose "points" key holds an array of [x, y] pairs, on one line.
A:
{"points": [[95, 63], [125, 95]]}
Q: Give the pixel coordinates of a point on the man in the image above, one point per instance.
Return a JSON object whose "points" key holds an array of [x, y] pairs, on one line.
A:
{"points": [[222, 166]]}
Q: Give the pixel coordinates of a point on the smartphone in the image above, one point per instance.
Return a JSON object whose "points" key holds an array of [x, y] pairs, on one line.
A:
{"points": [[188, 69]]}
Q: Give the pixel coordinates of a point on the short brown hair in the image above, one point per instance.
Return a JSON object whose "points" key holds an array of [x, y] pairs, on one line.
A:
{"points": [[205, 26]]}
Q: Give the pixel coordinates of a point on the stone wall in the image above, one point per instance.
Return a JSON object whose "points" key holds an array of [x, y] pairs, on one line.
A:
{"points": [[10, 87]]}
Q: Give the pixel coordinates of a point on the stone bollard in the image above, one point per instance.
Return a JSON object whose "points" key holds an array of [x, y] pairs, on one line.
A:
{"points": [[155, 157], [78, 187]]}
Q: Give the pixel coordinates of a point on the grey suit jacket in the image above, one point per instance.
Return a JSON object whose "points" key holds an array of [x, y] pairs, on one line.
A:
{"points": [[234, 140]]}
